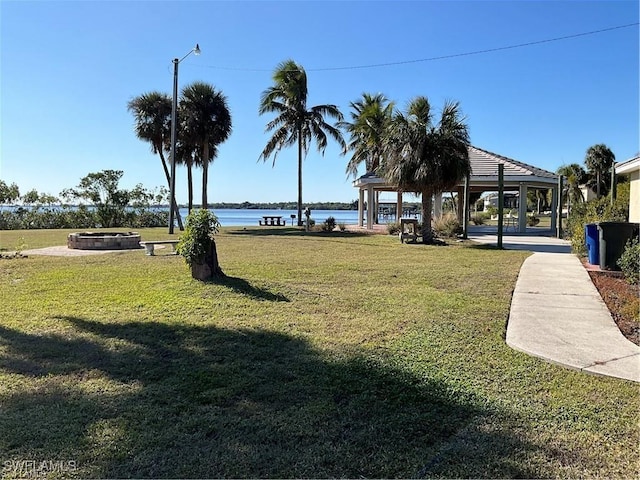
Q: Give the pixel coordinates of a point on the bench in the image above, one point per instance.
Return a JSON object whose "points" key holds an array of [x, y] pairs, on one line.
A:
{"points": [[149, 246]]}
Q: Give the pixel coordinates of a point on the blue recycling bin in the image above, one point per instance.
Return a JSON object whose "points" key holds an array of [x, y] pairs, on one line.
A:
{"points": [[592, 240]]}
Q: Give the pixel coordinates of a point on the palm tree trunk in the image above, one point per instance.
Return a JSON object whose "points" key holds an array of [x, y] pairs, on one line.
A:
{"points": [[427, 206], [598, 184], [205, 173], [190, 185], [299, 176], [176, 210]]}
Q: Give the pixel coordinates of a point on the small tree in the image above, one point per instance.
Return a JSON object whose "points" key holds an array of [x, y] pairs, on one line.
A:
{"points": [[198, 247], [8, 193], [101, 190]]}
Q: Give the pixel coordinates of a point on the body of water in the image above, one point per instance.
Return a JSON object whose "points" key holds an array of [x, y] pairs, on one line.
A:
{"points": [[238, 217]]}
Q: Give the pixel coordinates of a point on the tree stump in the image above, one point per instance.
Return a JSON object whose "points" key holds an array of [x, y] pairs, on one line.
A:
{"points": [[209, 267]]}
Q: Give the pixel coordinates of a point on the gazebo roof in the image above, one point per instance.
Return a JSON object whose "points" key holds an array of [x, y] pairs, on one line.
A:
{"points": [[484, 173]]}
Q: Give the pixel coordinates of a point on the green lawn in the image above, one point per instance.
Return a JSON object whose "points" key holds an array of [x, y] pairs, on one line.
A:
{"points": [[319, 356]]}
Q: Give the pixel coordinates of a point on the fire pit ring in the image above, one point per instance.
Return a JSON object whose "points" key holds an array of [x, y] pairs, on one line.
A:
{"points": [[103, 240]]}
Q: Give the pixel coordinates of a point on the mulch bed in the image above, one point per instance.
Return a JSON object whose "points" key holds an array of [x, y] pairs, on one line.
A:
{"points": [[622, 299]]}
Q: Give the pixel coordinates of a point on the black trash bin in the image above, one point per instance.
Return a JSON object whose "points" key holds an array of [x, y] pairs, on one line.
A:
{"points": [[591, 239], [613, 236]]}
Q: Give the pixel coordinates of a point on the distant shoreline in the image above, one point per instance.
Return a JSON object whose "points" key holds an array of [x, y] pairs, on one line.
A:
{"points": [[237, 206]]}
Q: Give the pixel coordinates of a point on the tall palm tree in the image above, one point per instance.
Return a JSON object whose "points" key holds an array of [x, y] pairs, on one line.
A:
{"points": [[206, 123], [575, 176], [424, 157], [370, 118], [185, 155], [599, 159], [295, 122], [152, 114]]}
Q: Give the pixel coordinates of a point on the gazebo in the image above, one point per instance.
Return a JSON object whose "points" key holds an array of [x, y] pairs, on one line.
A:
{"points": [[484, 177]]}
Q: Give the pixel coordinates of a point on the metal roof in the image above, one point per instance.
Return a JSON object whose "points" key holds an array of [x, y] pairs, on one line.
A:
{"points": [[484, 163]]}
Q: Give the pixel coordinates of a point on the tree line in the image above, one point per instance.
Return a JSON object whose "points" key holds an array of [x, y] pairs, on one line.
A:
{"points": [[599, 161], [96, 202]]}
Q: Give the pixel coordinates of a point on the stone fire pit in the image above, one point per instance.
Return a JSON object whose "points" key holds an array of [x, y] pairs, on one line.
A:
{"points": [[103, 240]]}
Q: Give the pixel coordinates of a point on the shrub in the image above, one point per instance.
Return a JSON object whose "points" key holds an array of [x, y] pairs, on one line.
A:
{"points": [[342, 226], [478, 219], [532, 220], [629, 262], [393, 228], [447, 226], [201, 225], [599, 210], [329, 224]]}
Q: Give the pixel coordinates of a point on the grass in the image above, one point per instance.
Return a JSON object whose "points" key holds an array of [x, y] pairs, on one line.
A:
{"points": [[332, 355]]}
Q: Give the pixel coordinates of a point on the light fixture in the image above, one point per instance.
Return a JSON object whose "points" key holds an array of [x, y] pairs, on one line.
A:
{"points": [[174, 112]]}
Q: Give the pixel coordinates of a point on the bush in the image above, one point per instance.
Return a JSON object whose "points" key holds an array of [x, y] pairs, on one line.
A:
{"points": [[629, 262], [532, 220], [201, 225], [329, 224], [447, 226], [342, 226], [80, 217], [478, 219], [599, 210], [393, 228]]}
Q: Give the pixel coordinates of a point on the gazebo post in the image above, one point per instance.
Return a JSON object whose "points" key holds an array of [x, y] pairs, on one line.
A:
{"points": [[465, 209], [399, 206], [437, 205], [371, 206], [555, 204], [558, 212], [360, 206], [522, 208]]}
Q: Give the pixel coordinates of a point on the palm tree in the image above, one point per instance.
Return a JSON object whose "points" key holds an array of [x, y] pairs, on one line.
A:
{"points": [[575, 176], [294, 122], [424, 157], [599, 159], [185, 155], [370, 118], [206, 123], [152, 113]]}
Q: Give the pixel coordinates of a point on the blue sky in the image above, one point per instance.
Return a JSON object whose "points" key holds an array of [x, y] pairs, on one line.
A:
{"points": [[68, 70]]}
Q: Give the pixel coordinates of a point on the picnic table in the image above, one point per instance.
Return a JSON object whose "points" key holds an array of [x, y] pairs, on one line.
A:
{"points": [[272, 221]]}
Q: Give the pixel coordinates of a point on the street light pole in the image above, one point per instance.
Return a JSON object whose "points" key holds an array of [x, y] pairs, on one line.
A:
{"points": [[174, 121]]}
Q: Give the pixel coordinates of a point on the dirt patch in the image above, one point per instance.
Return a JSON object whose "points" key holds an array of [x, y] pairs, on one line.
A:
{"points": [[623, 301]]}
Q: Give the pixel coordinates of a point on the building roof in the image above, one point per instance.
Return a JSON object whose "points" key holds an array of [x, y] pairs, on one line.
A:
{"points": [[484, 163], [628, 166], [484, 172]]}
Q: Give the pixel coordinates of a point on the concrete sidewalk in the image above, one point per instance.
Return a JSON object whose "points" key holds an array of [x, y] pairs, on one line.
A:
{"points": [[558, 315]]}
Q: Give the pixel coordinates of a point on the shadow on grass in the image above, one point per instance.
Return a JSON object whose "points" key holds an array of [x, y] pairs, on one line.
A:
{"points": [[132, 399], [293, 232], [240, 285]]}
